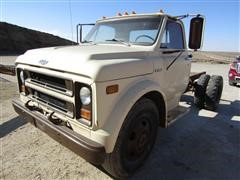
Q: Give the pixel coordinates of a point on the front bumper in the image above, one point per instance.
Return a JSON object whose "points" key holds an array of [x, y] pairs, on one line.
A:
{"points": [[237, 79], [86, 148], [234, 79]]}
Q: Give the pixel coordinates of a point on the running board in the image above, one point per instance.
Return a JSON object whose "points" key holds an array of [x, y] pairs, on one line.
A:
{"points": [[176, 113]]}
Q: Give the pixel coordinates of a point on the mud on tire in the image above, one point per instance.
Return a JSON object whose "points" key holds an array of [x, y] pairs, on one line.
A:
{"points": [[213, 92], [200, 90], [135, 140]]}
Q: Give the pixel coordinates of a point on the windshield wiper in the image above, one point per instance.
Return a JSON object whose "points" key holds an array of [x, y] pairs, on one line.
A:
{"points": [[119, 40]]}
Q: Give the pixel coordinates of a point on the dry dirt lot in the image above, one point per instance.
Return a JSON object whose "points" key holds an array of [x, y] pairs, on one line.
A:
{"points": [[200, 145]]}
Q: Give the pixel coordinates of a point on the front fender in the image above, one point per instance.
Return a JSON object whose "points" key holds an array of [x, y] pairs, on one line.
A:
{"points": [[123, 105]]}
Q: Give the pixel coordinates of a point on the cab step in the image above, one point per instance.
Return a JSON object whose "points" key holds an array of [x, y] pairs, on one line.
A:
{"points": [[176, 113]]}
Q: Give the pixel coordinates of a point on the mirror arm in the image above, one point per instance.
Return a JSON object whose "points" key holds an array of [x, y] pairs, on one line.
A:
{"points": [[77, 27], [187, 15], [79, 31]]}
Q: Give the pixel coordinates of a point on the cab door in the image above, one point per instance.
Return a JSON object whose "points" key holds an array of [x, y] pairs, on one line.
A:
{"points": [[176, 62]]}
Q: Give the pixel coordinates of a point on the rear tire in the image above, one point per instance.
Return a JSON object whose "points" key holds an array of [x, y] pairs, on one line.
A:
{"points": [[135, 140], [200, 90], [213, 92]]}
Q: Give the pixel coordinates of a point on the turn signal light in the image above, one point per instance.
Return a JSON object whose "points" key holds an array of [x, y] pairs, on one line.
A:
{"points": [[23, 88], [112, 89], [86, 114]]}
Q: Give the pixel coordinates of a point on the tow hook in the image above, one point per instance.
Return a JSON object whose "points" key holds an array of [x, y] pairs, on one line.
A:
{"points": [[32, 107], [54, 119]]}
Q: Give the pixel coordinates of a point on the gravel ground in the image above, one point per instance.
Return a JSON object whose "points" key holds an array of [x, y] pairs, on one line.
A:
{"points": [[200, 145], [7, 60]]}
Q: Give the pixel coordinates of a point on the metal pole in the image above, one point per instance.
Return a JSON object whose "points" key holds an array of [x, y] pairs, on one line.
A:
{"points": [[80, 33], [77, 32]]}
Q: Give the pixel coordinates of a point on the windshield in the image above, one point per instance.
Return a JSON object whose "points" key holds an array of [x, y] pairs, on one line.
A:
{"points": [[141, 31]]}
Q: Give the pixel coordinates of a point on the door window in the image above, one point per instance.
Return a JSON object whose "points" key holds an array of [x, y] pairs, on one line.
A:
{"points": [[172, 36]]}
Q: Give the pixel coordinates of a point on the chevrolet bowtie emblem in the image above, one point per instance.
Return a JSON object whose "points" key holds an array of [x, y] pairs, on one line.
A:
{"points": [[43, 61]]}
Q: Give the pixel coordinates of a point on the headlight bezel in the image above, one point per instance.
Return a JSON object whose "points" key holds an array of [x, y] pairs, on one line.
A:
{"points": [[21, 77], [79, 106]]}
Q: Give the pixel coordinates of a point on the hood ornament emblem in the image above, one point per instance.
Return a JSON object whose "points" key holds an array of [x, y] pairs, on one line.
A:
{"points": [[43, 62]]}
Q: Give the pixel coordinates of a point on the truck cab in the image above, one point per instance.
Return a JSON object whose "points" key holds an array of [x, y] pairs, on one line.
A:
{"points": [[105, 98]]}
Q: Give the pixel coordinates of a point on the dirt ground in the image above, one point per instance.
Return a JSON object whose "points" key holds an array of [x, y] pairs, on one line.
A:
{"points": [[200, 145], [214, 57]]}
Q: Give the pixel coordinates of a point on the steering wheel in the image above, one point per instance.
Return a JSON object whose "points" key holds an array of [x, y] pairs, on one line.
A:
{"points": [[144, 35]]}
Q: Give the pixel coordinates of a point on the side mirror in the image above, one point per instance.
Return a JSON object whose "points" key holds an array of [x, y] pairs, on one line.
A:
{"points": [[196, 32], [79, 29]]}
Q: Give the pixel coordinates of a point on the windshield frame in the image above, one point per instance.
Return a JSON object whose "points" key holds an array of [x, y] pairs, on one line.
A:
{"points": [[160, 17]]}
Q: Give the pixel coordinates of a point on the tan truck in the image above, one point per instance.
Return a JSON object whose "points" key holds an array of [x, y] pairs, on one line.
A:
{"points": [[105, 98]]}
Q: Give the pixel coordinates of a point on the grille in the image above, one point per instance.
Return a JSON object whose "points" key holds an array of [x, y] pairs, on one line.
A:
{"points": [[53, 83], [54, 102], [37, 84]]}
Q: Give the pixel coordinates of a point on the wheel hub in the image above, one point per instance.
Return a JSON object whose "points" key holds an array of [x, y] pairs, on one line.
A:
{"points": [[138, 140]]}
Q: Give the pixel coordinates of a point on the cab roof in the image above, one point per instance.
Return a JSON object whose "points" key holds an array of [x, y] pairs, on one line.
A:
{"points": [[134, 15]]}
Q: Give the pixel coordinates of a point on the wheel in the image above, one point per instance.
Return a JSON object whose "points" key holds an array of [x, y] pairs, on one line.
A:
{"points": [[231, 83], [200, 90], [213, 92], [135, 140]]}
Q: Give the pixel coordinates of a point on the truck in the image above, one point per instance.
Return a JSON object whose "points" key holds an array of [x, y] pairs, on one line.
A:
{"points": [[106, 98], [234, 72]]}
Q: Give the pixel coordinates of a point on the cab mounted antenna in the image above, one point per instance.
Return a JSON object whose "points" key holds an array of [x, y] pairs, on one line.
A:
{"points": [[70, 13]]}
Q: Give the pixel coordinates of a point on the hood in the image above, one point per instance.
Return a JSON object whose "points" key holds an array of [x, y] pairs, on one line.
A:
{"points": [[98, 62]]}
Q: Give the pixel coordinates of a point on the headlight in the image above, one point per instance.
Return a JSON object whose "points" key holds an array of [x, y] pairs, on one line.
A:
{"points": [[22, 77], [85, 96]]}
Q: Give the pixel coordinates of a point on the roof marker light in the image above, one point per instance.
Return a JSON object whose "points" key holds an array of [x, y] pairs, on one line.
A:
{"points": [[119, 14], [133, 12], [104, 17], [125, 13]]}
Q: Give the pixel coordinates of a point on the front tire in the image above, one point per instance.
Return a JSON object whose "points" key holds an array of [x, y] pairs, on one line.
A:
{"points": [[135, 140]]}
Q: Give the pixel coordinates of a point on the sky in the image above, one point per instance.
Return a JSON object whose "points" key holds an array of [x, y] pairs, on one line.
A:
{"points": [[60, 17]]}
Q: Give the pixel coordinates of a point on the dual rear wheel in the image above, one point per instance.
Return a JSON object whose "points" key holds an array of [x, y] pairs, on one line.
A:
{"points": [[208, 91]]}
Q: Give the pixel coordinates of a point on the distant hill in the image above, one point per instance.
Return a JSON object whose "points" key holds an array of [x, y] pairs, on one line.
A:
{"points": [[15, 39]]}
